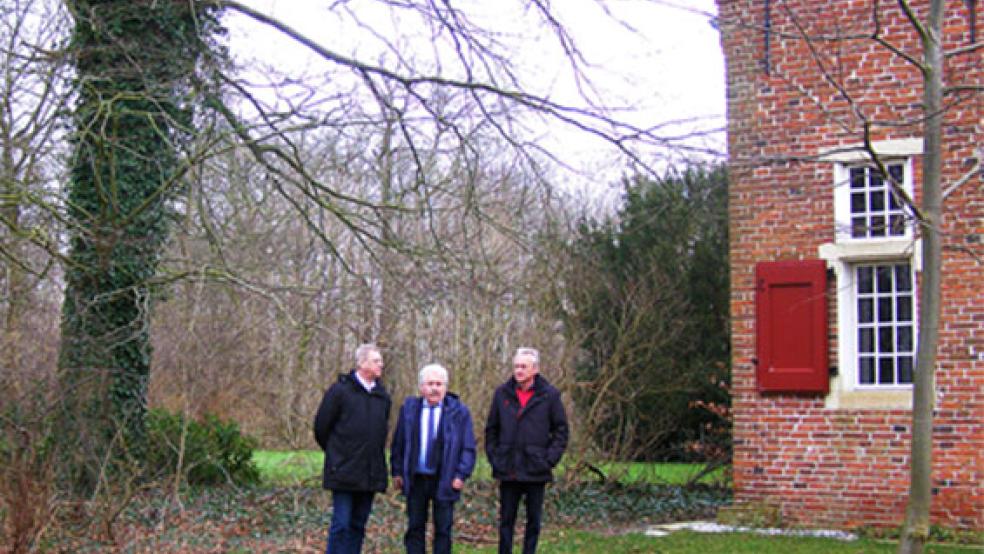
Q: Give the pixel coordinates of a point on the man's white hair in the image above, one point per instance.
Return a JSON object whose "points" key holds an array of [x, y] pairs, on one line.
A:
{"points": [[531, 352], [437, 368], [364, 350]]}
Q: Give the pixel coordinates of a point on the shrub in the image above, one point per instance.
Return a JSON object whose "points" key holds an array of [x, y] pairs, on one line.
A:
{"points": [[27, 477], [214, 451]]}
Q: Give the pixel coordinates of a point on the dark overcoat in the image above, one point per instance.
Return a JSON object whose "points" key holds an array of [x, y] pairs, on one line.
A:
{"points": [[457, 445], [350, 427], [525, 443]]}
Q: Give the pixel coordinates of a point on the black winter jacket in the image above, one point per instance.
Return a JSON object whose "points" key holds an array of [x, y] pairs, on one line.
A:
{"points": [[350, 427], [525, 444]]}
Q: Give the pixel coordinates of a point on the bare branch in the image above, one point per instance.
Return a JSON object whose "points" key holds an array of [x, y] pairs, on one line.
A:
{"points": [[589, 121], [963, 88], [896, 187], [964, 49], [966, 177]]}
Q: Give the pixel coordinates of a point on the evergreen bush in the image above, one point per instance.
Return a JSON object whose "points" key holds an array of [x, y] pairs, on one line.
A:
{"points": [[214, 451]]}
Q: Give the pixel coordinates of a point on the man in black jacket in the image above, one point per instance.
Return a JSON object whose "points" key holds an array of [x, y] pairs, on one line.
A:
{"points": [[350, 427], [525, 437]]}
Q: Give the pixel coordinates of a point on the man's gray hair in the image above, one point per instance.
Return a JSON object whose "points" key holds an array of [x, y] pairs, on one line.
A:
{"points": [[363, 350], [422, 375], [531, 352]]}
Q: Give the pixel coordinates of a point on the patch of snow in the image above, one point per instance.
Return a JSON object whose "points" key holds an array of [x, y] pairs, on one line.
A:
{"points": [[711, 527]]}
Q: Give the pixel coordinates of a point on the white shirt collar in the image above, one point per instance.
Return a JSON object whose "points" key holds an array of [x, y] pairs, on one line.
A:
{"points": [[368, 385]]}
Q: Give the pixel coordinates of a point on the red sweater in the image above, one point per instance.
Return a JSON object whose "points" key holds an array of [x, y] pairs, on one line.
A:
{"points": [[524, 396]]}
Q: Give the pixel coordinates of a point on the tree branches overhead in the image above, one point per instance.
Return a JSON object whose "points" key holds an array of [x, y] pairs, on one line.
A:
{"points": [[471, 63]]}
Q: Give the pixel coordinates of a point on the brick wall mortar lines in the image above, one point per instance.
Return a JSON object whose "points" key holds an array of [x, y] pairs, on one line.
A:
{"points": [[853, 463]]}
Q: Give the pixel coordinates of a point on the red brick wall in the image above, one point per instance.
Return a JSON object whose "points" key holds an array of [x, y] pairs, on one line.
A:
{"points": [[847, 467]]}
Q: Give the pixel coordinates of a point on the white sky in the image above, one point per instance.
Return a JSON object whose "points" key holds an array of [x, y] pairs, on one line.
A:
{"points": [[669, 67]]}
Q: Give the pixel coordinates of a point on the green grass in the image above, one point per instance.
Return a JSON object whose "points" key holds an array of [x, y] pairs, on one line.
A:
{"points": [[662, 473], [582, 517], [684, 542], [295, 467], [289, 467], [280, 467]]}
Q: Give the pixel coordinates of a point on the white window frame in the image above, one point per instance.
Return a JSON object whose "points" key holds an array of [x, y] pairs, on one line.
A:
{"points": [[846, 253], [848, 318], [842, 201]]}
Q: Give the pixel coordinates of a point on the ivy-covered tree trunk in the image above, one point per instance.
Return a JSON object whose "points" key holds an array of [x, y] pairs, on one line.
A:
{"points": [[134, 63]]}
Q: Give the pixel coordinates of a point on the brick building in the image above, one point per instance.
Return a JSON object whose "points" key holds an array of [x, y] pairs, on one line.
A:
{"points": [[826, 265]]}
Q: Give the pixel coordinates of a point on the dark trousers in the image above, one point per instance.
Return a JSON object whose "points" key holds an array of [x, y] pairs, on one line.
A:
{"points": [[423, 493], [349, 514], [510, 493]]}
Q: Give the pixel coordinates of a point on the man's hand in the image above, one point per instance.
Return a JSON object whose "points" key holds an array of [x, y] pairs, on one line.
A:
{"points": [[457, 484], [398, 483]]}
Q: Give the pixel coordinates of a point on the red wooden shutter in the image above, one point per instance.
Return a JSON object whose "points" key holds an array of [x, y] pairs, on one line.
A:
{"points": [[791, 326]]}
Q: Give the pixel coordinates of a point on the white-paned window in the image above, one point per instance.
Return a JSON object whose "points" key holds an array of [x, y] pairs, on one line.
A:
{"points": [[885, 317], [875, 259], [867, 207], [876, 210]]}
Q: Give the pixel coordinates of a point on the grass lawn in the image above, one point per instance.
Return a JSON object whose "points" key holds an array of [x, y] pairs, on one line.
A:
{"points": [[289, 513], [662, 473], [289, 467], [578, 521], [684, 542], [295, 467]]}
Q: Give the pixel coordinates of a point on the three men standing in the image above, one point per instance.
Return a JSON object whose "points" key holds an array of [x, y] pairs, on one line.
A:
{"points": [[350, 427], [433, 450], [525, 436], [432, 454]]}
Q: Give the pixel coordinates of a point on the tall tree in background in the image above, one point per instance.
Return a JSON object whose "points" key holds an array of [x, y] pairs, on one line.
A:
{"points": [[31, 96], [647, 294], [137, 67], [135, 61]]}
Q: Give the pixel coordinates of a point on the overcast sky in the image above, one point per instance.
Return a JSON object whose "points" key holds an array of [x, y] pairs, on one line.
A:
{"points": [[657, 60]]}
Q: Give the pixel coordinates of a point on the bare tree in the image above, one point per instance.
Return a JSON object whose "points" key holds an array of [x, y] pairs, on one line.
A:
{"points": [[394, 170], [31, 91], [932, 69], [31, 73], [455, 289]]}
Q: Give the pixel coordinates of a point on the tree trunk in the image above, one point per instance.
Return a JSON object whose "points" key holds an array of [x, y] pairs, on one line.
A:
{"points": [[916, 529], [18, 290], [133, 63]]}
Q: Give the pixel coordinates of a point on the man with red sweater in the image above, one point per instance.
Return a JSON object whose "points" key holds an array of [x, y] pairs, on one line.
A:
{"points": [[525, 437]]}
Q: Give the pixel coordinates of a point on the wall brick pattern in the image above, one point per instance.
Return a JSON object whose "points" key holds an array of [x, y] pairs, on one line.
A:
{"points": [[848, 467]]}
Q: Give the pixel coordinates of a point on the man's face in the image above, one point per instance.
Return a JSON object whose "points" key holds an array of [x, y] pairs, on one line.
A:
{"points": [[371, 367], [433, 388], [524, 370]]}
